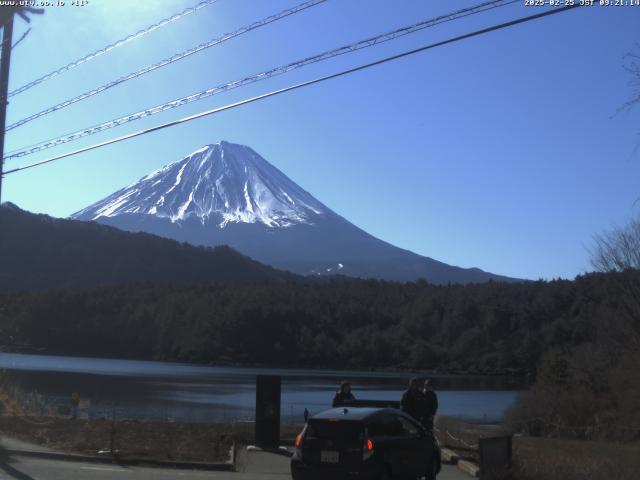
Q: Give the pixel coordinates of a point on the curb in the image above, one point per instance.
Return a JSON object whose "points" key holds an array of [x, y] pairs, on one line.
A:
{"points": [[469, 468], [449, 456], [282, 450], [70, 457]]}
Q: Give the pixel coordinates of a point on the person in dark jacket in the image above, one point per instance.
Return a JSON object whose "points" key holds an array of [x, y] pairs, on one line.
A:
{"points": [[343, 395], [413, 401], [430, 405]]}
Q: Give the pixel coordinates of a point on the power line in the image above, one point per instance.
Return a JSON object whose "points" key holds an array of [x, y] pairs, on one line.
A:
{"points": [[298, 86], [7, 15], [169, 60], [370, 42], [108, 48], [22, 37]]}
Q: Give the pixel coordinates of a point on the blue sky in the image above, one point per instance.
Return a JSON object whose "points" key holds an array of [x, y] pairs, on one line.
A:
{"points": [[503, 152]]}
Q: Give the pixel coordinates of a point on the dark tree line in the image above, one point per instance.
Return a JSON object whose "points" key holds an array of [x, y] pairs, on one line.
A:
{"points": [[488, 327], [38, 252]]}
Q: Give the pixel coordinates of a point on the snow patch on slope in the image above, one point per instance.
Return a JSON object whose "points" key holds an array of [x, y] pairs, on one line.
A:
{"points": [[225, 183]]}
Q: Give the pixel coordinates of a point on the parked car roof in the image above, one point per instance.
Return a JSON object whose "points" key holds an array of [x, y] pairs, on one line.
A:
{"points": [[352, 413]]}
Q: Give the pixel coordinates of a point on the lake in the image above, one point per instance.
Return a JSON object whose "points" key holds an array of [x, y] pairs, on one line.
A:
{"points": [[148, 390]]}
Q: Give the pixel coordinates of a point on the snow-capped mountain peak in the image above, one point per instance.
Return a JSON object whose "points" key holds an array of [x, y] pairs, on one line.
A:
{"points": [[227, 194], [223, 183]]}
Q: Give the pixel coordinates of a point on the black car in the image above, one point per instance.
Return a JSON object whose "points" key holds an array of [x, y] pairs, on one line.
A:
{"points": [[360, 443]]}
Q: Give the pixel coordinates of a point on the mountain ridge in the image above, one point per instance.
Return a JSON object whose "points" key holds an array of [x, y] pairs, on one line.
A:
{"points": [[267, 196], [40, 252], [226, 193]]}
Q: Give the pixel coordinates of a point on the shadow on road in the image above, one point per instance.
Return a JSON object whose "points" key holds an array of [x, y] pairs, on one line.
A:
{"points": [[10, 470]]}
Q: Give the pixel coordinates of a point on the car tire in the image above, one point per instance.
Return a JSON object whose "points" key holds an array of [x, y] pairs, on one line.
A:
{"points": [[432, 471]]}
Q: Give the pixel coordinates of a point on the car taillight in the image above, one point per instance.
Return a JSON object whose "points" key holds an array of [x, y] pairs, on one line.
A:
{"points": [[297, 451], [367, 449]]}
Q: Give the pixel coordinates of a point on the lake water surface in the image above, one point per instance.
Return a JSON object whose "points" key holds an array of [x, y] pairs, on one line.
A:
{"points": [[185, 392]]}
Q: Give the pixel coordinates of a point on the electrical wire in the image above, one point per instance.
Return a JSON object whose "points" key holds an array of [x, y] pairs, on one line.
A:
{"points": [[108, 48], [370, 42], [168, 61], [22, 37], [299, 85]]}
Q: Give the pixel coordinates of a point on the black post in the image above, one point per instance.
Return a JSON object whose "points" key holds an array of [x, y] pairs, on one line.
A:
{"points": [[267, 433], [495, 456], [5, 61]]}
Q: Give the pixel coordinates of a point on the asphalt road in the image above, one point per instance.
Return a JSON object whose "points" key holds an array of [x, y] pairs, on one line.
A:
{"points": [[261, 464], [26, 468], [257, 465]]}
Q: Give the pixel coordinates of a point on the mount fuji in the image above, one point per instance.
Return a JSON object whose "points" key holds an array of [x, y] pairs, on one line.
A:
{"points": [[228, 194]]}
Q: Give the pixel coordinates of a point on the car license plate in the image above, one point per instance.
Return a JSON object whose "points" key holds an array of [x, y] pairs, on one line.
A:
{"points": [[329, 456]]}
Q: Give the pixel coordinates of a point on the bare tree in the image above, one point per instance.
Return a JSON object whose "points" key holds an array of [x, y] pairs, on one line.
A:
{"points": [[618, 250], [632, 65]]}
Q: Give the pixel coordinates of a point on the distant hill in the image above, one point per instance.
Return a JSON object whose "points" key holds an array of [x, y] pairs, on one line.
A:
{"points": [[39, 252]]}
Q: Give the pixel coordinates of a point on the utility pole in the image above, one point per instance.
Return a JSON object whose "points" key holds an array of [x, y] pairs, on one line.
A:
{"points": [[6, 20], [5, 61]]}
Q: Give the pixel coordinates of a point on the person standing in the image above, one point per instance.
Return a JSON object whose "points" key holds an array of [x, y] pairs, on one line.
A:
{"points": [[430, 405], [343, 395], [413, 401]]}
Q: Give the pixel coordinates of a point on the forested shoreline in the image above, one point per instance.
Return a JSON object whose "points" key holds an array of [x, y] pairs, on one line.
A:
{"points": [[342, 323]]}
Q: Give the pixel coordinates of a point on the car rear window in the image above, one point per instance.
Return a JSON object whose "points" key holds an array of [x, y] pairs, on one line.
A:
{"points": [[334, 430]]}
